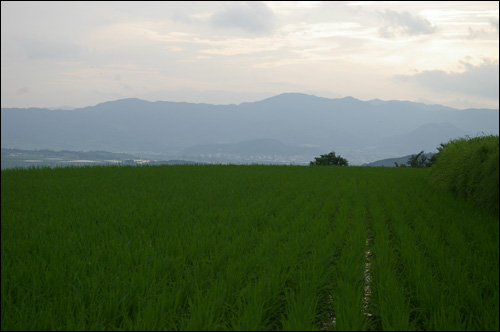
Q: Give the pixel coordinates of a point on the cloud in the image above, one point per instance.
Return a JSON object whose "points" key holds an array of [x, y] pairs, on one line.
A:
{"points": [[404, 24], [309, 42], [55, 50], [481, 34], [481, 80], [250, 16]]}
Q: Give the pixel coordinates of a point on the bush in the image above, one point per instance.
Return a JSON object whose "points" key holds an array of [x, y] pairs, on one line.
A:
{"points": [[469, 167], [419, 160], [329, 160]]}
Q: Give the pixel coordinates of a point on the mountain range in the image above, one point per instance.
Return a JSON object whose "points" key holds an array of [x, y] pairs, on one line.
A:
{"points": [[287, 128]]}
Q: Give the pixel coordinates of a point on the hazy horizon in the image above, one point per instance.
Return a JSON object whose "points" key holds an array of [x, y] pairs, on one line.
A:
{"points": [[81, 54], [70, 107]]}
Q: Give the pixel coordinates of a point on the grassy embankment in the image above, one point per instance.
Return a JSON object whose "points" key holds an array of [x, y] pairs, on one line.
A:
{"points": [[469, 167]]}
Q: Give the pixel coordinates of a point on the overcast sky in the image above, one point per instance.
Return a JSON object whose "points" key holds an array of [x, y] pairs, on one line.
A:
{"points": [[83, 53]]}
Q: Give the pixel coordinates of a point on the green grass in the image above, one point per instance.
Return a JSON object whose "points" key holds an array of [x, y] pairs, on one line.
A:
{"points": [[469, 167], [243, 248]]}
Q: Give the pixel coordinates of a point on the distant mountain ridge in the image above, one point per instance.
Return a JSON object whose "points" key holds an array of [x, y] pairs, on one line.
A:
{"points": [[361, 131], [391, 162]]}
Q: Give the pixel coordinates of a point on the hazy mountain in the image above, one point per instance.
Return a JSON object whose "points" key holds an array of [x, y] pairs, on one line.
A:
{"points": [[391, 162], [65, 108], [360, 131], [426, 137]]}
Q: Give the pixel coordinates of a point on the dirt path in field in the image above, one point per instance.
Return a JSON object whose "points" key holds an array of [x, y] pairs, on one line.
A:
{"points": [[367, 278], [328, 325]]}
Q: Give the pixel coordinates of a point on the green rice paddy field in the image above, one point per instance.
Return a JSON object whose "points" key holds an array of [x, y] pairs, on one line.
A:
{"points": [[226, 247]]}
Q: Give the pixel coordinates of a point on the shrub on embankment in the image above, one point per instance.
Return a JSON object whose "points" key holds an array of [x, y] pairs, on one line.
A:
{"points": [[469, 167]]}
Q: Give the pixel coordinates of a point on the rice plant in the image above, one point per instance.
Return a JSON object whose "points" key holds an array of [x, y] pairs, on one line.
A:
{"points": [[225, 247]]}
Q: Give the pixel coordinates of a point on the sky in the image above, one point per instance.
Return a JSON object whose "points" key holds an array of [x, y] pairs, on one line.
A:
{"points": [[80, 54]]}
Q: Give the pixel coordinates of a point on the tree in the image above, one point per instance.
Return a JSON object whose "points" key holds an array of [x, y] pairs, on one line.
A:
{"points": [[418, 160], [433, 159], [329, 159]]}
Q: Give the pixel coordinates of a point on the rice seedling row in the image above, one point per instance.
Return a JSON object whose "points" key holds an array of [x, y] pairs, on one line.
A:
{"points": [[438, 261]]}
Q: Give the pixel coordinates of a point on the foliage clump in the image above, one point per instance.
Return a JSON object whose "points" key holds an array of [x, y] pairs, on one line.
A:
{"points": [[329, 159], [469, 167], [420, 160]]}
